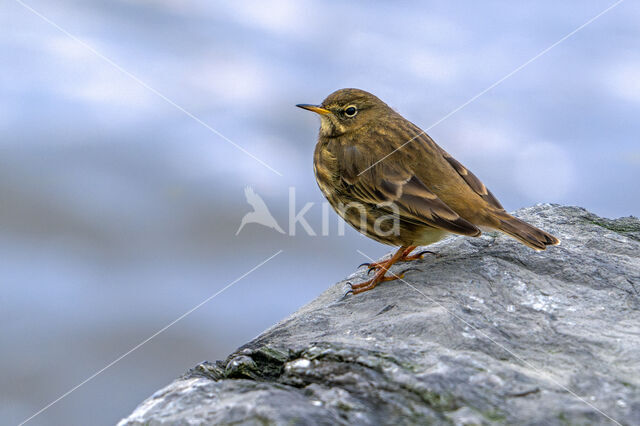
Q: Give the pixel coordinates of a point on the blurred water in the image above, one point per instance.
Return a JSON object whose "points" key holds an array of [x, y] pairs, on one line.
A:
{"points": [[118, 212]]}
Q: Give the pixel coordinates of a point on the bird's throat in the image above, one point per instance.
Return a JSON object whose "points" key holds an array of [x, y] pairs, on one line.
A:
{"points": [[330, 127]]}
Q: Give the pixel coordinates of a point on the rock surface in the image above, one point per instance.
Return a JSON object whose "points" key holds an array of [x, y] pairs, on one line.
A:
{"points": [[488, 332]]}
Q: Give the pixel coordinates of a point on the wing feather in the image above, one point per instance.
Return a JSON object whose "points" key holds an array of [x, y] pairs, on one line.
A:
{"points": [[472, 180], [386, 184]]}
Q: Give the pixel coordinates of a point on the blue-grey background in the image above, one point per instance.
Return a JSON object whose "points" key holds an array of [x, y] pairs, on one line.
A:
{"points": [[118, 211]]}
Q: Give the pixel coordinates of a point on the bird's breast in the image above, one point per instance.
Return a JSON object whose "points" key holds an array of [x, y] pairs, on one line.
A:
{"points": [[325, 167]]}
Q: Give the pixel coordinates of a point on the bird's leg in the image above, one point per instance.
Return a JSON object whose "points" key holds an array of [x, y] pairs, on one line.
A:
{"points": [[377, 265], [380, 275], [406, 254], [406, 257]]}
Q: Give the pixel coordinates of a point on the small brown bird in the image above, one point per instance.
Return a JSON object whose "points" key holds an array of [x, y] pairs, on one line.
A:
{"points": [[389, 180]]}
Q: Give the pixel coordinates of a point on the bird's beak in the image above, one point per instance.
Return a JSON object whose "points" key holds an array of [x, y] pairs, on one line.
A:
{"points": [[314, 108]]}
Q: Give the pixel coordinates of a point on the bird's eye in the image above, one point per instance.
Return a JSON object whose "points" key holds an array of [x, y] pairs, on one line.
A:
{"points": [[350, 111]]}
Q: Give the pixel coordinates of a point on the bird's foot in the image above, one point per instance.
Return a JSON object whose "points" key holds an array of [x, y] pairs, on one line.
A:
{"points": [[373, 266], [406, 257], [372, 283], [418, 256]]}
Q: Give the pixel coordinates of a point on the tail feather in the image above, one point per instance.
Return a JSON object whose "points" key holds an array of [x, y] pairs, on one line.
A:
{"points": [[527, 234]]}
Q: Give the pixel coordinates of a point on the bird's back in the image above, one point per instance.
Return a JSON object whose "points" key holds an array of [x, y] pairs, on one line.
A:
{"points": [[413, 150]]}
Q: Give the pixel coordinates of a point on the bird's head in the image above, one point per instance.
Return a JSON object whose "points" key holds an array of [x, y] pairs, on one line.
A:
{"points": [[346, 110]]}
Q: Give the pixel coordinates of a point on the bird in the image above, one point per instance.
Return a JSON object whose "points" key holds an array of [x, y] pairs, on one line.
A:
{"points": [[260, 213], [390, 181]]}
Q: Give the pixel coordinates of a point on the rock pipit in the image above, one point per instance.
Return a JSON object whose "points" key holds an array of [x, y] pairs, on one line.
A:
{"points": [[393, 183]]}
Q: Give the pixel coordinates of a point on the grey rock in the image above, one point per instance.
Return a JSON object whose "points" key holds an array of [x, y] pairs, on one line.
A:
{"points": [[487, 332]]}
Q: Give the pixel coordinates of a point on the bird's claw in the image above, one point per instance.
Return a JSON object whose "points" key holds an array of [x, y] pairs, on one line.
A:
{"points": [[401, 275], [423, 252], [363, 264], [348, 292]]}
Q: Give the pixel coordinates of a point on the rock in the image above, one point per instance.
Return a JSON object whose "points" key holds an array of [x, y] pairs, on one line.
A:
{"points": [[487, 332]]}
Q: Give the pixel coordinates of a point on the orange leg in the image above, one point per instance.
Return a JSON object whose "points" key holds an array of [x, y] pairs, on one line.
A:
{"points": [[406, 257], [380, 275]]}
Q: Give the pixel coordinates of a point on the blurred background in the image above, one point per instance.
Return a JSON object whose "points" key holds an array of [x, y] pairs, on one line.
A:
{"points": [[118, 211]]}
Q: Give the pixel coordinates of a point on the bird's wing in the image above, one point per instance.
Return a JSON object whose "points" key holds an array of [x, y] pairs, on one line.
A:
{"points": [[254, 199], [249, 192], [387, 183], [472, 180]]}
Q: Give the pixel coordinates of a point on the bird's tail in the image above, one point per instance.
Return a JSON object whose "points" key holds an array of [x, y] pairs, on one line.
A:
{"points": [[527, 234]]}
